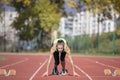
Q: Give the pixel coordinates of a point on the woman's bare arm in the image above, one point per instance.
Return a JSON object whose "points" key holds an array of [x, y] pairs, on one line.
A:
{"points": [[71, 61], [49, 60]]}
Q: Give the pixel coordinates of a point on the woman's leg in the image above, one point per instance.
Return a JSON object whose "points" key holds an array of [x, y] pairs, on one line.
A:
{"points": [[63, 54], [56, 59]]}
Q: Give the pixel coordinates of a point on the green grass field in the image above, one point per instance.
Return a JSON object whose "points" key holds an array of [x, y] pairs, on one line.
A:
{"points": [[73, 54], [97, 54]]}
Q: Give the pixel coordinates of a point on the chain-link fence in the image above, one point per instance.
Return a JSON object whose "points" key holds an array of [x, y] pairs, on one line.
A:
{"points": [[105, 43], [7, 45]]}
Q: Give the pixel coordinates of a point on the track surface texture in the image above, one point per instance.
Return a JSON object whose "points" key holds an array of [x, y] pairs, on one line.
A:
{"points": [[32, 67]]}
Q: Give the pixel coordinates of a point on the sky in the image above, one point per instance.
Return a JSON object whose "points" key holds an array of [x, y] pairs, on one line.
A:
{"points": [[8, 8], [73, 10], [69, 10]]}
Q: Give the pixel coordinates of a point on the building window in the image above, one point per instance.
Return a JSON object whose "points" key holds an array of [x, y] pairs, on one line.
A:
{"points": [[109, 25], [11, 16], [76, 20], [94, 21], [94, 25], [109, 28], [93, 31], [71, 20], [104, 29], [79, 29]]}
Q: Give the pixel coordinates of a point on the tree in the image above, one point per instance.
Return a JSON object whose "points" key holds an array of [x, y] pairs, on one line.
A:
{"points": [[37, 18], [24, 23], [1, 8], [1, 11], [58, 2], [48, 15], [41, 12], [99, 8], [71, 3], [116, 5]]}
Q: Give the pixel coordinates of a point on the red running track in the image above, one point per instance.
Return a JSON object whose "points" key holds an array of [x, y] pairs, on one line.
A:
{"points": [[32, 67]]}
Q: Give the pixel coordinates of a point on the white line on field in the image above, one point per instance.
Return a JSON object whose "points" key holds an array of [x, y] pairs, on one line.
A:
{"points": [[103, 76], [97, 62], [15, 63], [106, 65], [90, 78], [115, 61], [31, 78], [74, 65], [83, 72]]}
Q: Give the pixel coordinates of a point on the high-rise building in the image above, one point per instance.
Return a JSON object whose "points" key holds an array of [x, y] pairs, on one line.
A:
{"points": [[85, 23], [7, 32]]}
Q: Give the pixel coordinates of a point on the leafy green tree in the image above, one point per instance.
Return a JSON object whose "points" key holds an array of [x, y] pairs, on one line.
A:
{"points": [[48, 15], [25, 22], [58, 2], [36, 19], [118, 32], [116, 5], [98, 7], [40, 15]]}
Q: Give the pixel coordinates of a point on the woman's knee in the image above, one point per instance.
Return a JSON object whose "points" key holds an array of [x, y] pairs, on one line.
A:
{"points": [[57, 62]]}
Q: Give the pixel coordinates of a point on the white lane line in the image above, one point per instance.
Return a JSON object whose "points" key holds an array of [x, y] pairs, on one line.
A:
{"points": [[15, 63], [103, 76], [74, 65], [106, 65], [97, 62], [90, 78], [115, 61], [31, 78]]}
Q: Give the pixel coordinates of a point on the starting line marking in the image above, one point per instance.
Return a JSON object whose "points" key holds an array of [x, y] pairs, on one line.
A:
{"points": [[97, 62], [83, 72], [15, 63], [31, 78]]}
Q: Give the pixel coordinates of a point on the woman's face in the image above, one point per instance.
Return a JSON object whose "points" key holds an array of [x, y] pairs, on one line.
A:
{"points": [[60, 47]]}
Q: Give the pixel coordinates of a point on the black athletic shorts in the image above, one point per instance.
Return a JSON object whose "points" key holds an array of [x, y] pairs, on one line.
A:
{"points": [[58, 57]]}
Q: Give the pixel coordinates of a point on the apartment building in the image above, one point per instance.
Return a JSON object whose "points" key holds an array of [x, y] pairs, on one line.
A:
{"points": [[85, 23]]}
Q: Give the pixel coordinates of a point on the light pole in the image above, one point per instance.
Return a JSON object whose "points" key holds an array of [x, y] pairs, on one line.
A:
{"points": [[114, 36], [4, 34], [98, 34]]}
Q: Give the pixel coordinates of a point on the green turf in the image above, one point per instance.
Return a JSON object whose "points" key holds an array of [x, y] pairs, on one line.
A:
{"points": [[97, 54], [73, 53]]}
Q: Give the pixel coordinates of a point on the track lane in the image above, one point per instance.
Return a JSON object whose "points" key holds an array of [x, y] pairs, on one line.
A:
{"points": [[89, 65], [26, 69]]}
